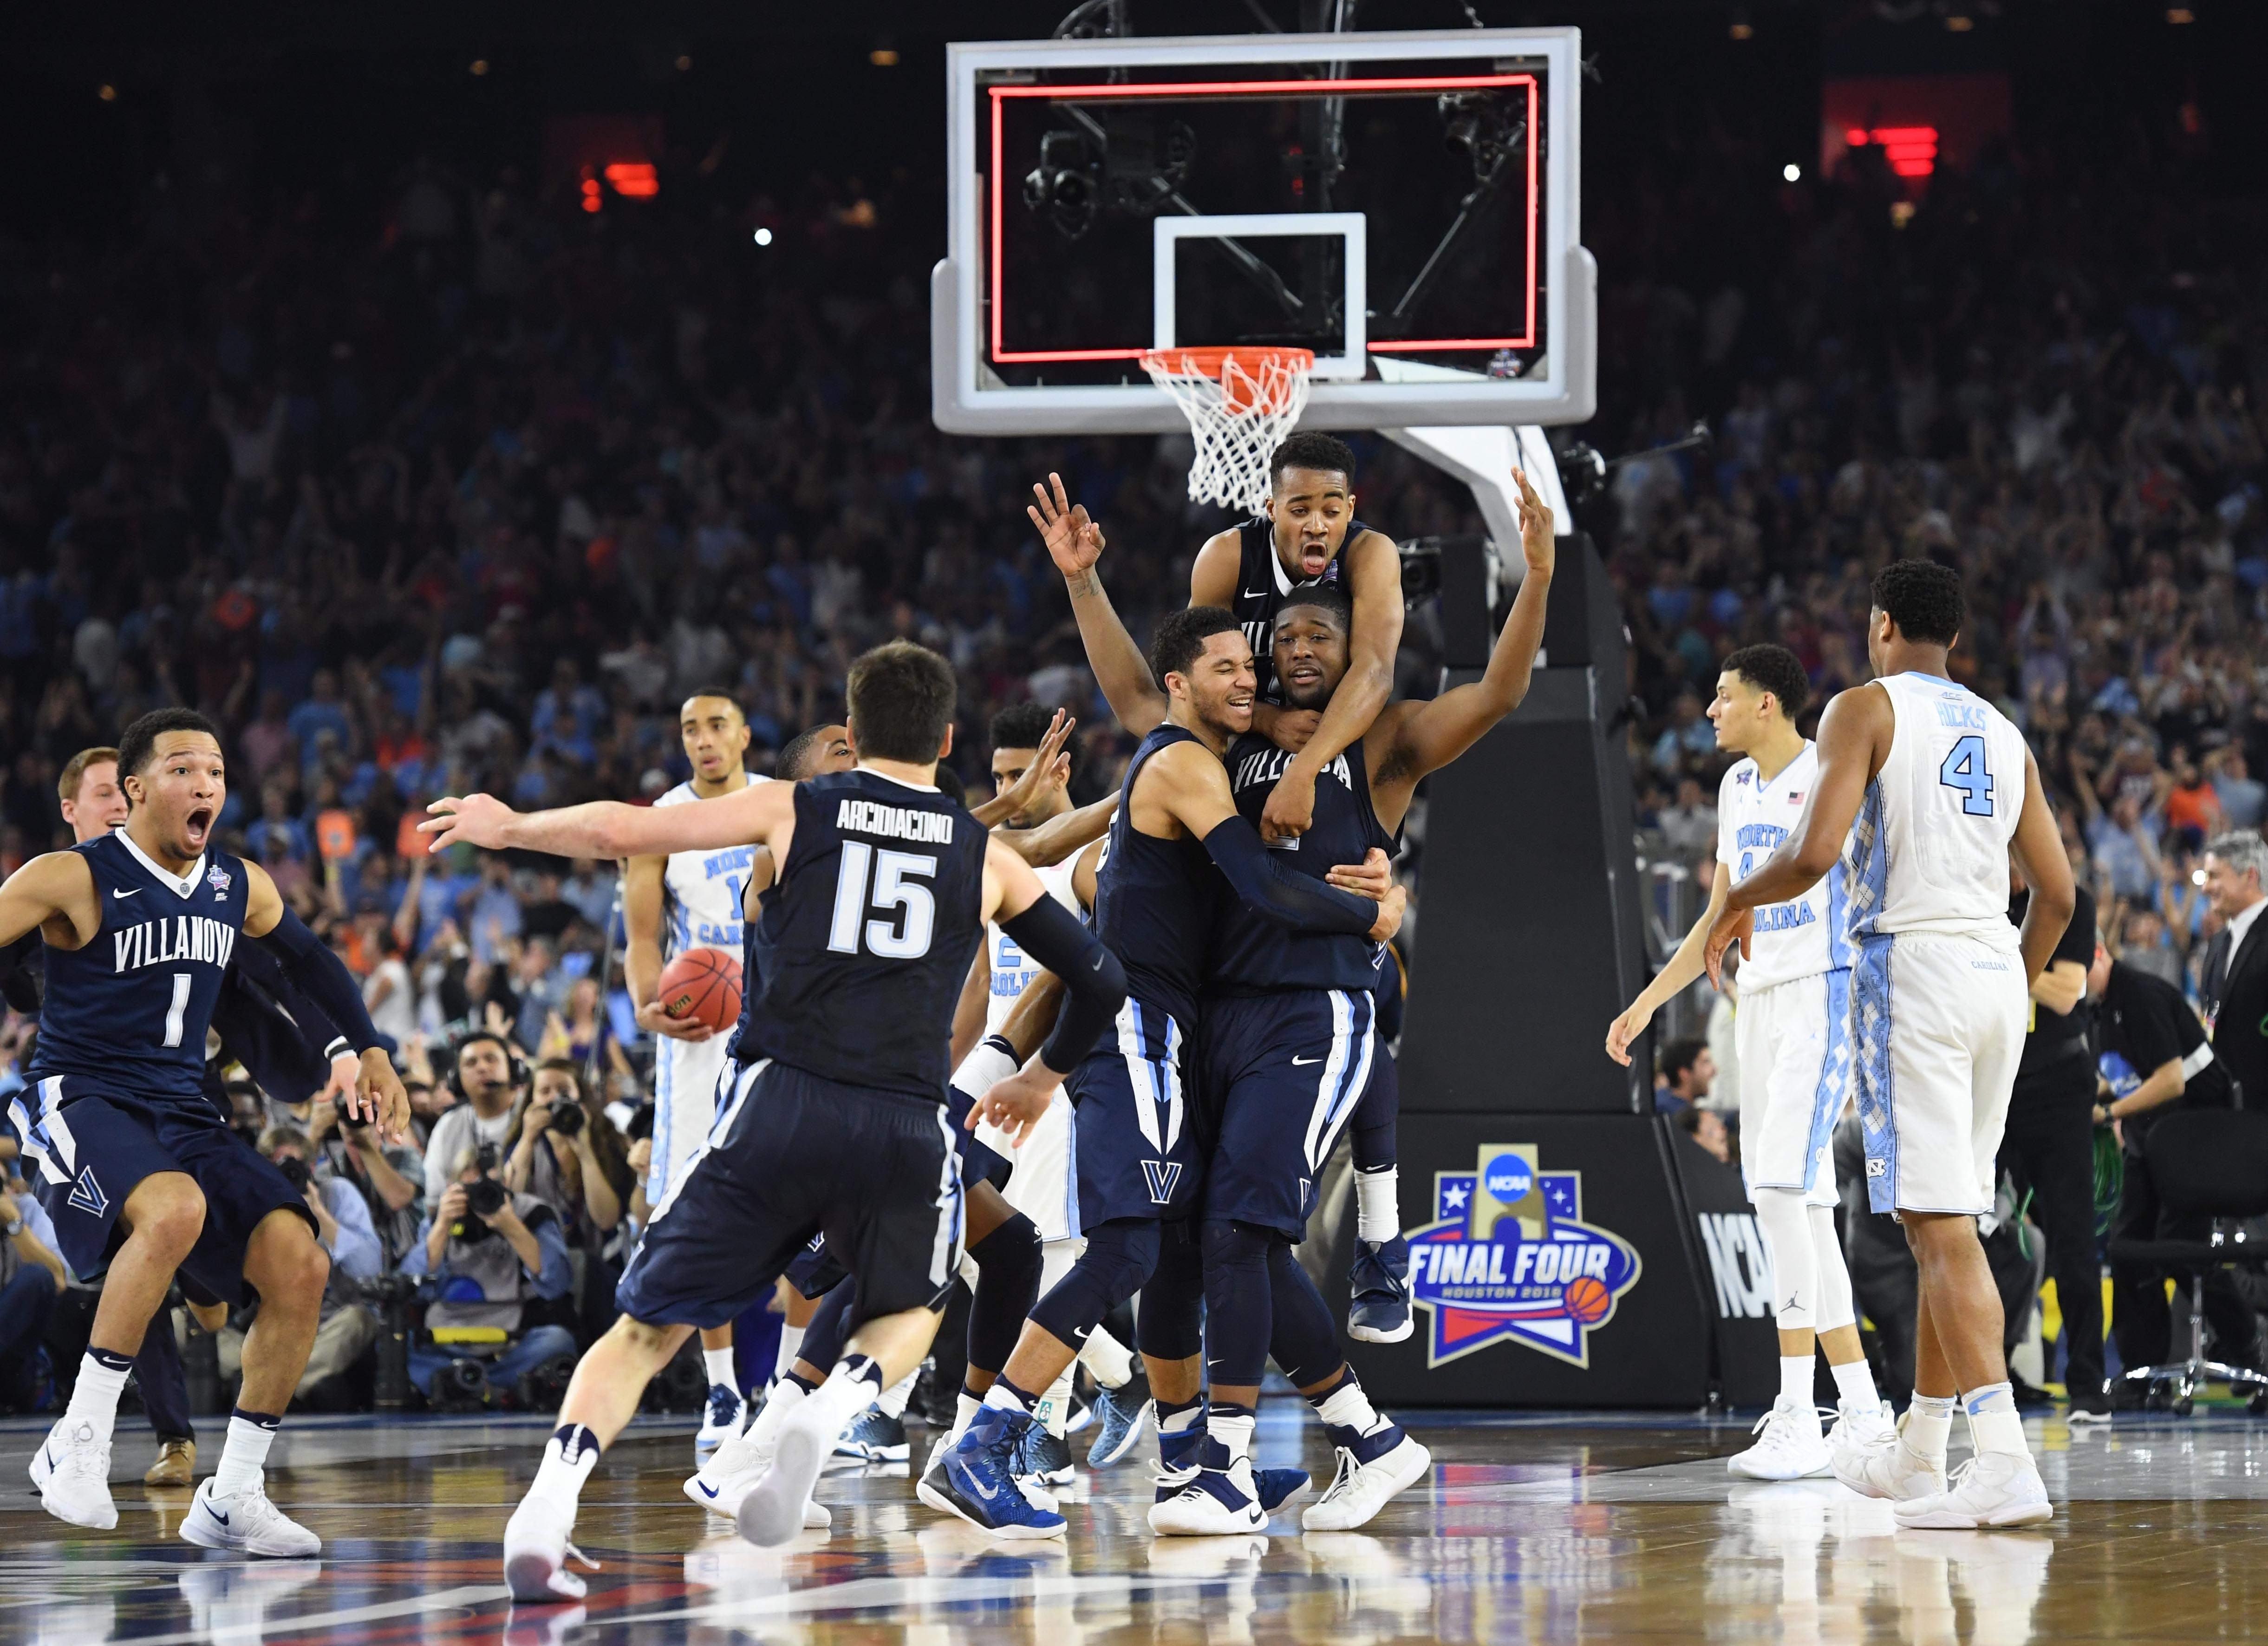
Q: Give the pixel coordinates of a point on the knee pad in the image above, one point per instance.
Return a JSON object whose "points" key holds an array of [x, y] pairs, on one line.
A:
{"points": [[1781, 1214], [1170, 1323], [1304, 1340], [1118, 1263], [1832, 1276], [1239, 1312], [1007, 1286], [831, 1327]]}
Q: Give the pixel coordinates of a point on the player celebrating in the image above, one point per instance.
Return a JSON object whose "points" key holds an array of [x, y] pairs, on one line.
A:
{"points": [[1794, 1040], [670, 904], [1940, 789], [136, 1165], [836, 1120]]}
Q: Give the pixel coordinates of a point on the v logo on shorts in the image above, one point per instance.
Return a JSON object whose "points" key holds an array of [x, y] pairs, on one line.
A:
{"points": [[86, 1195], [1162, 1175]]}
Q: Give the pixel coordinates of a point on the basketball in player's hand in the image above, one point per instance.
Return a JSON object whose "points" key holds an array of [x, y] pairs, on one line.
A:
{"points": [[1587, 1300], [701, 986]]}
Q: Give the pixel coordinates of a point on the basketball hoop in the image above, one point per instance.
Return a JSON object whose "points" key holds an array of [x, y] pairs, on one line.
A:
{"points": [[1240, 404]]}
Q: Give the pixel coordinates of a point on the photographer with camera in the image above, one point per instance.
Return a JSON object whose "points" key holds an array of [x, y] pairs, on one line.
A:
{"points": [[499, 1282], [566, 1153], [389, 1177], [486, 1076]]}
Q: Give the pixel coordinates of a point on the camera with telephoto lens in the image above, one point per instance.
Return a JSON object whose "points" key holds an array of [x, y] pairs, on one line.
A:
{"points": [[295, 1172], [484, 1198], [567, 1118]]}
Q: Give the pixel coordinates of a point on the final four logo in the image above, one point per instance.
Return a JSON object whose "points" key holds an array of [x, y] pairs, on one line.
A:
{"points": [[1511, 1257]]}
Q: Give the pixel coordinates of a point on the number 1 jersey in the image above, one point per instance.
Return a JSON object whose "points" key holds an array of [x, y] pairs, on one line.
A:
{"points": [[1805, 935], [1930, 850], [855, 966]]}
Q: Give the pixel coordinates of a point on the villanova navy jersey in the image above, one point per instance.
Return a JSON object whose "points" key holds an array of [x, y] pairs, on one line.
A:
{"points": [[1253, 955], [1262, 584], [1153, 899], [857, 963], [127, 1012]]}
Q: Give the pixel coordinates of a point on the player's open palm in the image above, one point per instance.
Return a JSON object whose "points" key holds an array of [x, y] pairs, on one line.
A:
{"points": [[1049, 770], [472, 820], [1539, 543], [1074, 540]]}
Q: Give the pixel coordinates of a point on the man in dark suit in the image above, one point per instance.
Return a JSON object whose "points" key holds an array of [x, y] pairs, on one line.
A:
{"points": [[2235, 991]]}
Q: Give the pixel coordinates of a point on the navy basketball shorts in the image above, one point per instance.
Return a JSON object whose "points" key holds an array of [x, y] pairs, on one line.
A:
{"points": [[88, 1151], [979, 1161], [1281, 1074], [816, 1271], [1136, 1141], [793, 1155]]}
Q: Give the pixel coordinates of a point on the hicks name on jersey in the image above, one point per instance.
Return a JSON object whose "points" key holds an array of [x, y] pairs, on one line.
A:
{"points": [[182, 937], [894, 823]]}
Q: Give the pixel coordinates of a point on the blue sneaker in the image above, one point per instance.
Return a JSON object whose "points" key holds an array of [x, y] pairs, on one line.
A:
{"points": [[978, 1481], [720, 1421], [874, 1437], [1380, 1282], [1044, 1459], [1121, 1414], [1177, 1459], [1275, 1488]]}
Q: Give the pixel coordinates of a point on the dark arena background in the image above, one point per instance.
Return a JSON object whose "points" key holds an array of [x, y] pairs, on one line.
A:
{"points": [[438, 398]]}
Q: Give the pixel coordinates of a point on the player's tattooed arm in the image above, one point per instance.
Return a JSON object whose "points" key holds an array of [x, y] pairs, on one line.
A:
{"points": [[1410, 740], [1374, 567], [2037, 847], [53, 895], [1074, 542], [1050, 769], [761, 814]]}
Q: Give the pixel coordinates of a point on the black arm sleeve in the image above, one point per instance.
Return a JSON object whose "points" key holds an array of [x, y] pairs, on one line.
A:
{"points": [[318, 974], [1095, 986], [258, 963], [1285, 896], [17, 984]]}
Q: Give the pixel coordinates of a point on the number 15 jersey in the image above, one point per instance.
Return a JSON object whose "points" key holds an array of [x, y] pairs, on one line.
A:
{"points": [[857, 963], [1929, 851]]}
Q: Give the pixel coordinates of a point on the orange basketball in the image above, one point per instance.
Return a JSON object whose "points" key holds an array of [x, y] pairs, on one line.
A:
{"points": [[703, 986], [1587, 1300]]}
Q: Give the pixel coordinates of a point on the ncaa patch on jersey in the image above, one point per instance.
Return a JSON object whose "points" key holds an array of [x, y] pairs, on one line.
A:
{"points": [[1511, 1257]]}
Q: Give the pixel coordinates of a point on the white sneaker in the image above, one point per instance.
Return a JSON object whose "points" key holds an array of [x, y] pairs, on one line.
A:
{"points": [[1216, 1503], [721, 1416], [773, 1509], [536, 1551], [1890, 1469], [1994, 1488], [248, 1523], [1860, 1427], [733, 1490], [71, 1468], [1791, 1447], [1360, 1490]]}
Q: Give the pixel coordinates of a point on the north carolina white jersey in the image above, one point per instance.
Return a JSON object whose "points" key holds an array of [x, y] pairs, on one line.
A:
{"points": [[1013, 970], [1805, 935], [1929, 853], [701, 890]]}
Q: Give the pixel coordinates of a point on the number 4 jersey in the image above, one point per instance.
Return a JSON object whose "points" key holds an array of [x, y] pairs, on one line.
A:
{"points": [[1805, 935], [857, 963], [1930, 850]]}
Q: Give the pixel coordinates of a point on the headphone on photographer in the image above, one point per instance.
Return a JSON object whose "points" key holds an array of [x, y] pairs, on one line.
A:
{"points": [[515, 1068]]}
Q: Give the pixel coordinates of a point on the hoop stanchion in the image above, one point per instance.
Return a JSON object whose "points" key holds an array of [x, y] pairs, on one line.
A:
{"points": [[1240, 403]]}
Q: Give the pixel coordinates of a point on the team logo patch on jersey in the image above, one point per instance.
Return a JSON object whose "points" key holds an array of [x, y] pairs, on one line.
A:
{"points": [[219, 879], [1510, 1256], [86, 1195], [1161, 1175]]}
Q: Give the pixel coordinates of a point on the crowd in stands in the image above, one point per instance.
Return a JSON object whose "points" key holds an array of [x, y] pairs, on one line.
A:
{"points": [[467, 494]]}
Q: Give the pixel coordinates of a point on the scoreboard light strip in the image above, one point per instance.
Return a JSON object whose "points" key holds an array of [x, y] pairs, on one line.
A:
{"points": [[1187, 89]]}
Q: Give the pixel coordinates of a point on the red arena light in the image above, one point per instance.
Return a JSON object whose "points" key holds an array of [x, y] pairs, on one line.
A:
{"points": [[1911, 151], [634, 180]]}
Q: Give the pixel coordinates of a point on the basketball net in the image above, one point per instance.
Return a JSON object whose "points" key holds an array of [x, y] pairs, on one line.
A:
{"points": [[1240, 404]]}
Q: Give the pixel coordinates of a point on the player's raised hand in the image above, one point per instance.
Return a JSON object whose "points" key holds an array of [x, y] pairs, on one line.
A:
{"points": [[1733, 926], [1372, 878], [1049, 770], [1624, 1030], [1074, 540], [473, 820], [1016, 1104], [1539, 541]]}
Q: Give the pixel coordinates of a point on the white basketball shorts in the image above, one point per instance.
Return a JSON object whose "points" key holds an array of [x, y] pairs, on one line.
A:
{"points": [[1041, 1185], [1795, 1045], [1938, 1024], [685, 1076]]}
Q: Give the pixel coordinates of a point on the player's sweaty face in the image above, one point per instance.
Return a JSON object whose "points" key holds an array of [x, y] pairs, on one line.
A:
{"points": [[183, 785], [1311, 655], [1309, 510], [1223, 681], [714, 735]]}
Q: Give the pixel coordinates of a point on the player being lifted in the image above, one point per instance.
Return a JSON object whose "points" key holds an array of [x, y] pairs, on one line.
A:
{"points": [[1794, 1040], [1286, 1047], [1932, 789], [835, 1121], [136, 1165], [670, 904]]}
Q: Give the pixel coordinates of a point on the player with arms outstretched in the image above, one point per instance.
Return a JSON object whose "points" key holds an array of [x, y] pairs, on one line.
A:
{"points": [[134, 1164], [836, 1122], [1794, 1040], [1932, 789]]}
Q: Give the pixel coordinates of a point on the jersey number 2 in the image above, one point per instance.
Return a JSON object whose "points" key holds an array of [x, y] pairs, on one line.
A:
{"points": [[870, 878], [1965, 770]]}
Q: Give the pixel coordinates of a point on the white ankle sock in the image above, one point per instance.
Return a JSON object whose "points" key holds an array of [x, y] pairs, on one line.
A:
{"points": [[1001, 1398], [1795, 1380], [965, 1408], [1347, 1407], [568, 1456], [1110, 1362], [1232, 1426], [1994, 1423], [849, 1388], [893, 1403], [245, 1454], [791, 1341], [94, 1397], [721, 1370], [1855, 1383], [1377, 1215], [1929, 1421], [1053, 1408], [786, 1395]]}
